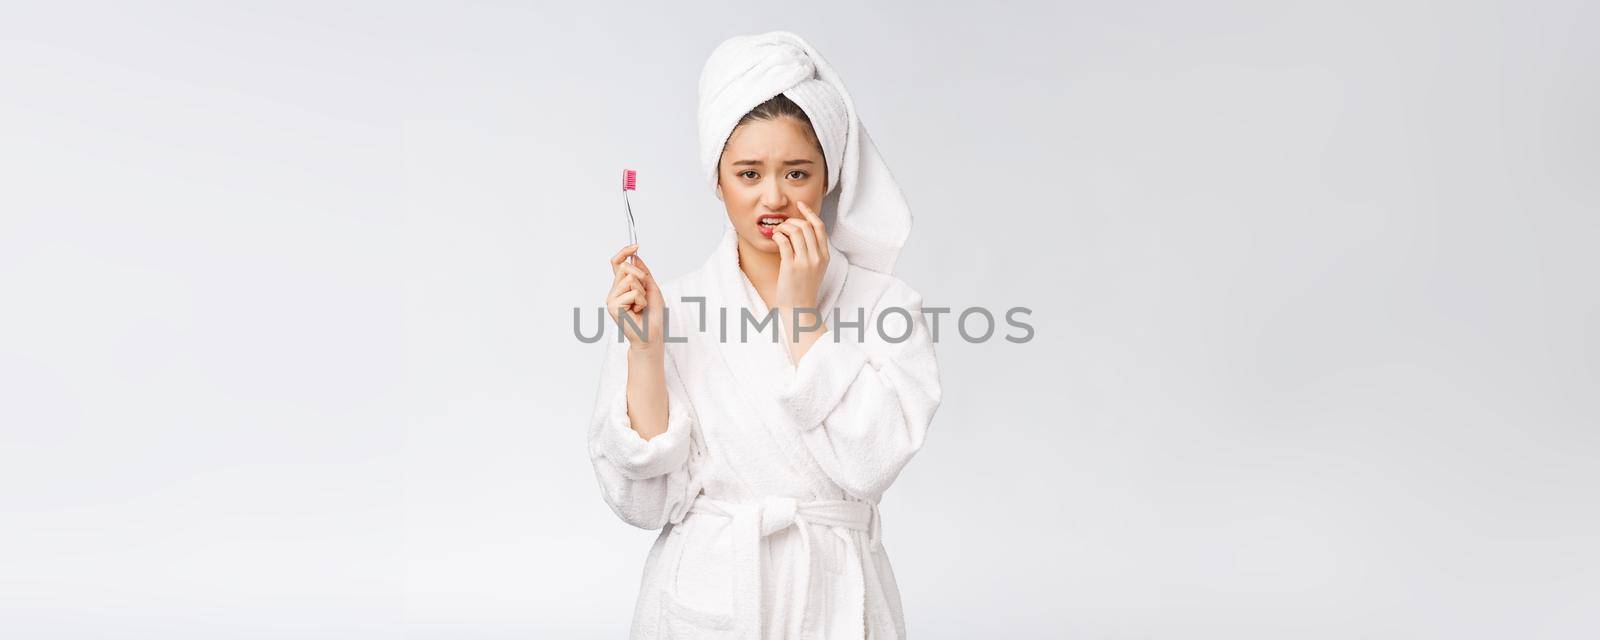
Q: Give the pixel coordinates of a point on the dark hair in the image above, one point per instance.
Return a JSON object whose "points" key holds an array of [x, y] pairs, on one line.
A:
{"points": [[778, 107]]}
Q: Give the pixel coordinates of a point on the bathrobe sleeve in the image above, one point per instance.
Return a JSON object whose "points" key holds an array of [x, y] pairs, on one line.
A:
{"points": [[646, 482], [863, 405]]}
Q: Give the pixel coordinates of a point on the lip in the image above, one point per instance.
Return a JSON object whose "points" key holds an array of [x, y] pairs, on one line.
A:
{"points": [[767, 231]]}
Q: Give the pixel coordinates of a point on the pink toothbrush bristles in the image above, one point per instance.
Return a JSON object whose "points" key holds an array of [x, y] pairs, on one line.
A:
{"points": [[630, 179]]}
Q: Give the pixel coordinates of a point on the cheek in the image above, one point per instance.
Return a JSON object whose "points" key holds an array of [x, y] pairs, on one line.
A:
{"points": [[736, 200], [740, 196], [812, 193]]}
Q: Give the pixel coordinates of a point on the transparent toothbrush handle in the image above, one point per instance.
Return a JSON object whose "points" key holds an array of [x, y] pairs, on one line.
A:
{"points": [[633, 237]]}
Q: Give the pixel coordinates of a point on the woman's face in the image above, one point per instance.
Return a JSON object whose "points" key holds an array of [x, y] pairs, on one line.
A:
{"points": [[767, 168]]}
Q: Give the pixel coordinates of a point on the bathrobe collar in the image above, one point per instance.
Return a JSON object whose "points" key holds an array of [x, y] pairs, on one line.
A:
{"points": [[761, 367]]}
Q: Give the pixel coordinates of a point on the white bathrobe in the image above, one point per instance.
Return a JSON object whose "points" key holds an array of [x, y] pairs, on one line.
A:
{"points": [[767, 480]]}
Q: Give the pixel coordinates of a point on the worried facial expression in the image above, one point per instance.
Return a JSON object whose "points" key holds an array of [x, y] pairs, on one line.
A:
{"points": [[767, 168]]}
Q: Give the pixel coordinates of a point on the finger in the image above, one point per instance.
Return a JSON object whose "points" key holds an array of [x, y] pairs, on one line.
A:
{"points": [[785, 249], [797, 242], [813, 251], [802, 246], [639, 262], [633, 270], [647, 282], [624, 284], [623, 255], [643, 300], [622, 302], [617, 286], [816, 224]]}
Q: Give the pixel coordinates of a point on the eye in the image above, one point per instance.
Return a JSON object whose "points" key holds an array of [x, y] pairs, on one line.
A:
{"points": [[749, 174], [798, 175]]}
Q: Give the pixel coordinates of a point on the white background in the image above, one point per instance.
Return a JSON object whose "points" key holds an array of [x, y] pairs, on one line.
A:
{"points": [[286, 289]]}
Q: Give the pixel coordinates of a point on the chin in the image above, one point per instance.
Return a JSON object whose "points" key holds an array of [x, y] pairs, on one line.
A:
{"points": [[753, 237], [761, 243]]}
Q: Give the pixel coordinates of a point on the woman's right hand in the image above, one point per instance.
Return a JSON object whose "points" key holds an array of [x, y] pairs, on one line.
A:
{"points": [[634, 293]]}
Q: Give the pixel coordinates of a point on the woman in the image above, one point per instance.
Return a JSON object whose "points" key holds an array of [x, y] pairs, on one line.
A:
{"points": [[762, 460]]}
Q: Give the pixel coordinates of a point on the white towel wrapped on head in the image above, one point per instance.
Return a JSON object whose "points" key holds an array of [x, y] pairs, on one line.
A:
{"points": [[866, 213]]}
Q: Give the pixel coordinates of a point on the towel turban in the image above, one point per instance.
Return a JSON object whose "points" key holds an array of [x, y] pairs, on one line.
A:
{"points": [[866, 213]]}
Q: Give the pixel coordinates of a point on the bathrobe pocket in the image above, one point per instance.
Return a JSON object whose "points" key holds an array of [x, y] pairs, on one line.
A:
{"points": [[697, 602], [681, 622]]}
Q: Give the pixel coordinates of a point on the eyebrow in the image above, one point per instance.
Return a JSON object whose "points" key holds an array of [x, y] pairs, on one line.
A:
{"points": [[786, 163]]}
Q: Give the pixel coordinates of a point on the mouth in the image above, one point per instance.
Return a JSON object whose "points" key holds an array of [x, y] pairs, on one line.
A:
{"points": [[768, 223]]}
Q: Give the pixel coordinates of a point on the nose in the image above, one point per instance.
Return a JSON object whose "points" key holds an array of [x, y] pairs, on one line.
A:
{"points": [[773, 197]]}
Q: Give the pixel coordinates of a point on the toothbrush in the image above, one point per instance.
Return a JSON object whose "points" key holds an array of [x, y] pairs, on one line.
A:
{"points": [[630, 179]]}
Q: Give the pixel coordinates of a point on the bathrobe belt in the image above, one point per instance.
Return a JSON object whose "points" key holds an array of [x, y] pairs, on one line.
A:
{"points": [[754, 521]]}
